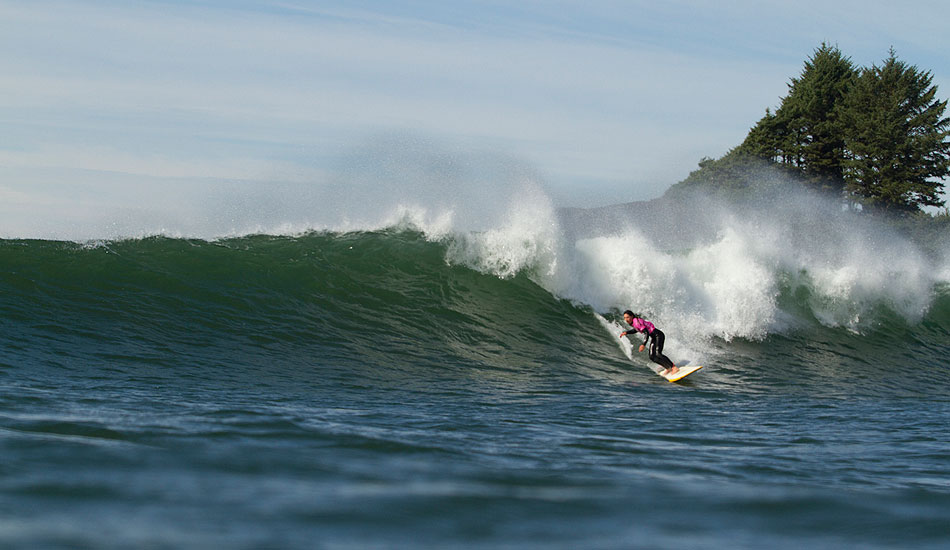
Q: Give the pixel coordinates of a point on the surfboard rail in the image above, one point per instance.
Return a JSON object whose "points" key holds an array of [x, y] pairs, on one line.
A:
{"points": [[682, 373]]}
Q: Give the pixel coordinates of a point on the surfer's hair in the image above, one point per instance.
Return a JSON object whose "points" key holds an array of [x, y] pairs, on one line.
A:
{"points": [[632, 314]]}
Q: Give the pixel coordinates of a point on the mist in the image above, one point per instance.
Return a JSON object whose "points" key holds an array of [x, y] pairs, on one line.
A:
{"points": [[782, 258]]}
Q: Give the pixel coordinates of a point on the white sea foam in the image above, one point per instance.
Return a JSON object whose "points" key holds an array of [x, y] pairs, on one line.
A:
{"points": [[714, 290], [527, 237], [730, 282]]}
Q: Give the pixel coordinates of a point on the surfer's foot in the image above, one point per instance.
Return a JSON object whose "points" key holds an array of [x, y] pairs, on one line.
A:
{"points": [[674, 370]]}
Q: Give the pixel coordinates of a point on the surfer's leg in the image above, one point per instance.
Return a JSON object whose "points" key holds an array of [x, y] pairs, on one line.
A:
{"points": [[653, 354], [656, 352], [656, 344]]}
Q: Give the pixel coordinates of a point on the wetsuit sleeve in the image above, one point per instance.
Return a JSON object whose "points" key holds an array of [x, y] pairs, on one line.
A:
{"points": [[633, 330]]}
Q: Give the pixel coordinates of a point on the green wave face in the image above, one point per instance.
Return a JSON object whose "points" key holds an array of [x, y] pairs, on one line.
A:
{"points": [[396, 306]]}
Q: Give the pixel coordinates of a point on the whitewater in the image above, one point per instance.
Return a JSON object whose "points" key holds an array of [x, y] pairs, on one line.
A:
{"points": [[422, 350]]}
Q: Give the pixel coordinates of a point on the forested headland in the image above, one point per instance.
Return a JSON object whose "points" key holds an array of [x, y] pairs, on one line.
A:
{"points": [[875, 138]]}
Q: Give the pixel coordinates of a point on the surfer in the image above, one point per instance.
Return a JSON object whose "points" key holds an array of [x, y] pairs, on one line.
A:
{"points": [[656, 338]]}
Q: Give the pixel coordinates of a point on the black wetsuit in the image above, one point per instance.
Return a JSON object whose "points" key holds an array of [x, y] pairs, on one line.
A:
{"points": [[656, 339]]}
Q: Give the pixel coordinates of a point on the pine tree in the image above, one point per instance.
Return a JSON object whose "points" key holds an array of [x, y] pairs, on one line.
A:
{"points": [[895, 138], [765, 139], [804, 133], [811, 114], [877, 136]]}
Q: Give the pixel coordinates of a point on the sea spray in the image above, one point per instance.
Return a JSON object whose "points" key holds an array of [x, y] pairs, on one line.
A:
{"points": [[377, 184], [527, 239], [701, 268], [846, 263], [732, 269]]}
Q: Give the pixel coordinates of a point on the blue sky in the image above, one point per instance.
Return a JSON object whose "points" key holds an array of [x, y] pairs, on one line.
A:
{"points": [[607, 101]]}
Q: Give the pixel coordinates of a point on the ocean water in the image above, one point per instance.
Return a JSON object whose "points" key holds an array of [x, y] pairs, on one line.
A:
{"points": [[449, 374]]}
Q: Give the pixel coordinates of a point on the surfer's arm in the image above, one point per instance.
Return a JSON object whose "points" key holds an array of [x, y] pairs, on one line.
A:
{"points": [[627, 333]]}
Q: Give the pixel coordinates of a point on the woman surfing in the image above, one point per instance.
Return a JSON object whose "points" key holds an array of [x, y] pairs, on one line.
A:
{"points": [[656, 338]]}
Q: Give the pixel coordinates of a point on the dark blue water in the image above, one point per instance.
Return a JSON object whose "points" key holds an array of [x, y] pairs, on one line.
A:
{"points": [[359, 391]]}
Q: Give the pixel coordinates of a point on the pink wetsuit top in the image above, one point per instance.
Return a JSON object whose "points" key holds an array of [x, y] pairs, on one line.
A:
{"points": [[640, 325]]}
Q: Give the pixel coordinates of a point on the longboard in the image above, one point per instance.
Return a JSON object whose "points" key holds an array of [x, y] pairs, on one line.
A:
{"points": [[682, 373]]}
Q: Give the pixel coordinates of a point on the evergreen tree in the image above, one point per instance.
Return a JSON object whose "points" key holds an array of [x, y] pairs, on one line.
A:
{"points": [[766, 139], [804, 134], [814, 140], [877, 134], [895, 138]]}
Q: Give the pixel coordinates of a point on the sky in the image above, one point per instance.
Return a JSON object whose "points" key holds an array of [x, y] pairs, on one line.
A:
{"points": [[123, 101]]}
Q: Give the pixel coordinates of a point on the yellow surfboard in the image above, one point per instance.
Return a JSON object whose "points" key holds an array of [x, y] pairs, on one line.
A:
{"points": [[682, 373]]}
